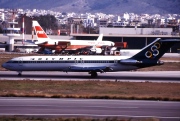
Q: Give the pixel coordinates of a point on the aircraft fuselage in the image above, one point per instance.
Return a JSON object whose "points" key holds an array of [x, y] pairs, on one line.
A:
{"points": [[67, 63]]}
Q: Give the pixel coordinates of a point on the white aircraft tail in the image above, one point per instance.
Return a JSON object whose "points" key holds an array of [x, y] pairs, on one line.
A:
{"points": [[100, 37], [40, 33]]}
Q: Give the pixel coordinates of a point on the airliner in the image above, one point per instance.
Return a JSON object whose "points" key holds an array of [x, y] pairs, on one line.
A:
{"points": [[59, 45], [147, 57]]}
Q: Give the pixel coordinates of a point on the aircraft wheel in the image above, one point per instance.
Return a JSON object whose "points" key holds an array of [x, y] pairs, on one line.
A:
{"points": [[93, 74], [20, 74]]}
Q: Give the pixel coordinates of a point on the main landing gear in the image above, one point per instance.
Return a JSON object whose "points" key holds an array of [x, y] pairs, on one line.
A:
{"points": [[20, 73], [93, 74]]}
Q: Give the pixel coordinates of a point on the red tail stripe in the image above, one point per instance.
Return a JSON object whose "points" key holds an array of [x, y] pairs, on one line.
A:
{"points": [[42, 35], [38, 28]]}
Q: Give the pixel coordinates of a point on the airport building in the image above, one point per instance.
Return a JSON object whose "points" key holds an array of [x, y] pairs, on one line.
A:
{"points": [[133, 41], [136, 37]]}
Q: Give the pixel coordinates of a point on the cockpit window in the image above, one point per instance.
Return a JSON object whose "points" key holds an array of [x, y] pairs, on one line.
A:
{"points": [[9, 62], [12, 61]]}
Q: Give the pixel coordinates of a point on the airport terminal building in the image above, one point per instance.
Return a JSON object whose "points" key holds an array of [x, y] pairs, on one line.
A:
{"points": [[136, 38]]}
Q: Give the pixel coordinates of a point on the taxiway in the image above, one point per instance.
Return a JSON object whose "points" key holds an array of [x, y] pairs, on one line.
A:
{"points": [[135, 76], [89, 108]]}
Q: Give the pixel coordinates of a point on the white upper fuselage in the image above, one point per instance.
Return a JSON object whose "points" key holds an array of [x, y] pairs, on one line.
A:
{"points": [[79, 42], [27, 58], [129, 52]]}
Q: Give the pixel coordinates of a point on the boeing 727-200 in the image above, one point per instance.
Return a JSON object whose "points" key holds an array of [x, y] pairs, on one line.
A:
{"points": [[147, 57]]}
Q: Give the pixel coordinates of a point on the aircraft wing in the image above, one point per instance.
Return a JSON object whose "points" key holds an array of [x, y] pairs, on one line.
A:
{"points": [[85, 48], [88, 69], [66, 43]]}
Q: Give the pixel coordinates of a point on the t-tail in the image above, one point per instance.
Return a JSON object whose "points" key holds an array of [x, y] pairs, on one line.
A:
{"points": [[40, 33], [150, 55]]}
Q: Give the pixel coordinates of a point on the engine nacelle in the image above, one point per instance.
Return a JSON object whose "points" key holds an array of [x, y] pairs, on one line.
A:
{"points": [[130, 62], [143, 62], [96, 50]]}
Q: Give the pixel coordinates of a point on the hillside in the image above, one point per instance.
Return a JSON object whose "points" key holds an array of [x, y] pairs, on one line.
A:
{"points": [[104, 6]]}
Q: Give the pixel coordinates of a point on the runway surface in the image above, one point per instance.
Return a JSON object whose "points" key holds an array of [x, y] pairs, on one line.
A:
{"points": [[152, 76], [89, 108]]}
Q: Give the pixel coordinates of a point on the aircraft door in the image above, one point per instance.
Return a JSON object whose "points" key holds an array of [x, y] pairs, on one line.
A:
{"points": [[81, 61], [115, 62], [20, 62], [76, 61]]}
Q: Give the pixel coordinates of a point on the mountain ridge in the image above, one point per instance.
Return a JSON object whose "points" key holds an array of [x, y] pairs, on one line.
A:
{"points": [[92, 6]]}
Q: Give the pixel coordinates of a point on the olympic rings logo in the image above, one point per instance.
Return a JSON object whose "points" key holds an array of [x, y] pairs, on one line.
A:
{"points": [[154, 50]]}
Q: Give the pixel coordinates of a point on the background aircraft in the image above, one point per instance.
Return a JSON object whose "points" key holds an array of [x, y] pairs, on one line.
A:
{"points": [[147, 57], [73, 45]]}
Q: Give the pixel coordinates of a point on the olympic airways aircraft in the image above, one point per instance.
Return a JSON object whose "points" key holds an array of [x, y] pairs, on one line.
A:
{"points": [[148, 56]]}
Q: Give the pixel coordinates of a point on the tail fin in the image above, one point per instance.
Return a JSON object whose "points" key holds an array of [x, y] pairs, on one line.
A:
{"points": [[150, 55], [40, 33], [155, 50], [100, 37]]}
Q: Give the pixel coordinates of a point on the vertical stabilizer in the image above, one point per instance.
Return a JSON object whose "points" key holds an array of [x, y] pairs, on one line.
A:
{"points": [[150, 55], [100, 37], [40, 33], [156, 49]]}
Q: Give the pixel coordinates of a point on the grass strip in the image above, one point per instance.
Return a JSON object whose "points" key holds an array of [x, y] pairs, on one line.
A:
{"points": [[21, 118], [91, 89]]}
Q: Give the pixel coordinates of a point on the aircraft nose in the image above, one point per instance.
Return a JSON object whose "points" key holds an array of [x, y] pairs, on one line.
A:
{"points": [[4, 65]]}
